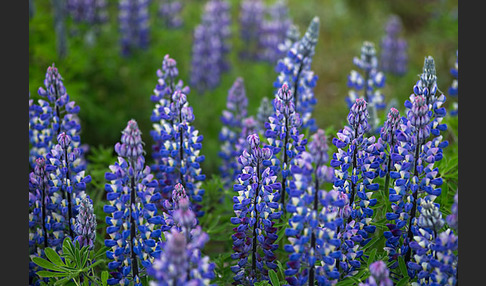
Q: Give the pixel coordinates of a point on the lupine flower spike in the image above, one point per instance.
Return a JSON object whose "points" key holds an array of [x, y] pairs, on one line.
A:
{"points": [[354, 170], [256, 208], [250, 25], [133, 225], [368, 83], [283, 136], [85, 227], [379, 275], [274, 28], [177, 144], [133, 18], [232, 119], [170, 12], [393, 58], [295, 71]]}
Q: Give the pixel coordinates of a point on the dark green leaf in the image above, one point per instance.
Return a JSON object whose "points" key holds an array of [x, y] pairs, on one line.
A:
{"points": [[53, 256], [403, 281], [273, 277], [46, 264], [371, 259], [44, 273], [403, 266]]}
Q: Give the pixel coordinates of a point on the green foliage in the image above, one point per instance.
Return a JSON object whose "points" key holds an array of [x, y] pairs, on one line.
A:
{"points": [[75, 264]]}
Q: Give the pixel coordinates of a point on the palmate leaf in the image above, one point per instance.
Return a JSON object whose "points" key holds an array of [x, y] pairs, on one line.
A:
{"points": [[52, 255], [46, 264]]}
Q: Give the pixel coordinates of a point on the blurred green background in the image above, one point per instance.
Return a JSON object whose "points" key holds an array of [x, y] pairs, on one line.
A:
{"points": [[111, 89]]}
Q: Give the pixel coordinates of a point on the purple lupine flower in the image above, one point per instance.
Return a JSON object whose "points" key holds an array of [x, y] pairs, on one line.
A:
{"points": [[295, 71], [415, 177], [379, 275], [232, 119], [250, 25], [133, 224], [181, 262], [51, 117], [311, 227], [170, 12], [85, 227], [87, 11], [133, 19], [318, 148], [453, 89], [354, 170], [369, 83], [434, 260], [273, 31], [393, 58], [177, 144], [256, 207], [282, 132], [210, 46]]}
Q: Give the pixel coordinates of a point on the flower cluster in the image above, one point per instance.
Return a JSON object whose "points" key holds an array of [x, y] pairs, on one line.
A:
{"points": [[133, 18], [232, 119], [283, 135], [313, 225], [273, 31], [181, 262], [369, 83], [49, 118], [256, 208], [170, 12], [453, 89], [210, 46], [295, 71], [355, 167], [393, 58], [85, 226], [379, 275], [250, 24], [133, 225], [292, 35], [265, 110], [88, 11], [177, 144]]}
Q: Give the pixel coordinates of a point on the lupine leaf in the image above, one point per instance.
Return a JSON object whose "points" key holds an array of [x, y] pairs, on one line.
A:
{"points": [[372, 256], [49, 274], [46, 264], [52, 255], [403, 267], [273, 277], [403, 281], [104, 278]]}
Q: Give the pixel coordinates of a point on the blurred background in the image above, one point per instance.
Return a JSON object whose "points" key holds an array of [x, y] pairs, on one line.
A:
{"points": [[112, 88]]}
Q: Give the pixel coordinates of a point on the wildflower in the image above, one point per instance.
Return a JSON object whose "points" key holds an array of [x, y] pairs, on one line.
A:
{"points": [[292, 35], [133, 18], [133, 225], [452, 219], [273, 31], [379, 275], [256, 208], [369, 82], [85, 227], [250, 24], [265, 110], [453, 89], [294, 71], [393, 58], [90, 12], [170, 12]]}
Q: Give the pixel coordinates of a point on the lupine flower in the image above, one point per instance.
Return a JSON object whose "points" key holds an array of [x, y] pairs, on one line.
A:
{"points": [[415, 178], [318, 148], [85, 227], [354, 170], [452, 219], [133, 18], [88, 11], [51, 117], [177, 144], [265, 110], [210, 46], [292, 35], [170, 12], [368, 83], [232, 119], [434, 261], [250, 25], [453, 89], [294, 70], [273, 31], [133, 225], [282, 132], [379, 275], [256, 207], [313, 225], [393, 58]]}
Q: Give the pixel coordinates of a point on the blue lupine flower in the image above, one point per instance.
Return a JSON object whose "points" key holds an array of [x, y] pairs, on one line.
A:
{"points": [[273, 31], [170, 12], [434, 260], [51, 117], [354, 170], [415, 178], [295, 71], [393, 57], [133, 19], [87, 11], [250, 25], [282, 132], [256, 207], [85, 227], [133, 225], [368, 82], [210, 46], [314, 223], [379, 275], [232, 119], [453, 89], [292, 35], [177, 144]]}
